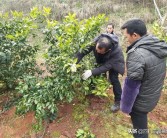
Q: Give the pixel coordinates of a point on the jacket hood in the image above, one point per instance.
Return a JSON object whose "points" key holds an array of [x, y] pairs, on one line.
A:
{"points": [[153, 44], [112, 37]]}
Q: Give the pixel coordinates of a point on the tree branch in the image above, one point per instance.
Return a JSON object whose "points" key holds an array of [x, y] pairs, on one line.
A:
{"points": [[156, 7]]}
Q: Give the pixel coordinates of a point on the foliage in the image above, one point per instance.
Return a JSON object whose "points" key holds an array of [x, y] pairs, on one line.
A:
{"points": [[101, 86], [38, 97], [160, 31], [16, 32], [65, 38], [84, 133]]}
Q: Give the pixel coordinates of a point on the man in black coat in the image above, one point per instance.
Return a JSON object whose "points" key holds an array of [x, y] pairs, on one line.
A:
{"points": [[110, 28], [146, 71], [109, 56]]}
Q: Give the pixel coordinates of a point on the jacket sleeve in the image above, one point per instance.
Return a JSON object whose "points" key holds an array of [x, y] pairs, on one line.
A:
{"points": [[129, 94], [80, 55], [135, 66], [86, 51], [104, 68]]}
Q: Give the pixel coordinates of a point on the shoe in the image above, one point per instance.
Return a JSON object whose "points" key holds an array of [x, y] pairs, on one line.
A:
{"points": [[115, 107]]}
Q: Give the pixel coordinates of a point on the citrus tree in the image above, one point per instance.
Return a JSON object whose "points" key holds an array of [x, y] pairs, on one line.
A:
{"points": [[17, 32], [65, 38]]}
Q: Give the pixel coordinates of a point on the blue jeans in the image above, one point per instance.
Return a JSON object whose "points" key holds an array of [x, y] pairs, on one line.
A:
{"points": [[114, 80]]}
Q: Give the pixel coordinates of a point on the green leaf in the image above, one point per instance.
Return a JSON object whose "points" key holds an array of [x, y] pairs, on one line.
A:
{"points": [[10, 37]]}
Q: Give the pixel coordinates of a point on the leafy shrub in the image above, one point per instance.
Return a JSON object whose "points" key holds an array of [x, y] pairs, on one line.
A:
{"points": [[84, 133], [65, 39], [160, 31], [14, 34], [38, 96], [101, 86]]}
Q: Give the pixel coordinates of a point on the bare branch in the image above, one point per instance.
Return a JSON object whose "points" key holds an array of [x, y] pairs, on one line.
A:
{"points": [[156, 7]]}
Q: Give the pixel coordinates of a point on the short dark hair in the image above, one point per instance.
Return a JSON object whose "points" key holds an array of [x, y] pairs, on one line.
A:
{"points": [[135, 26], [104, 42], [111, 24]]}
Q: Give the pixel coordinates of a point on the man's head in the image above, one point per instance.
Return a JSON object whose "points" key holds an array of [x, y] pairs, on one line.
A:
{"points": [[134, 29], [103, 45], [110, 28]]}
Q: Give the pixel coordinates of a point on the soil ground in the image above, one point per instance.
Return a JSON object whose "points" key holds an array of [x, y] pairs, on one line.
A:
{"points": [[92, 113]]}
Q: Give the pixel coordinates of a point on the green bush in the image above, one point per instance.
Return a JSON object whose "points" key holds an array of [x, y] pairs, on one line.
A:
{"points": [[15, 30], [38, 96], [160, 31], [63, 84], [84, 133], [66, 39]]}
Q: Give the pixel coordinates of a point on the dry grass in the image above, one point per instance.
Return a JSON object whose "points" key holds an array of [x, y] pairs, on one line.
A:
{"points": [[87, 8], [118, 11]]}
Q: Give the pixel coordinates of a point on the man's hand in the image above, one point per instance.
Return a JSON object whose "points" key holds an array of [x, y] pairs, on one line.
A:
{"points": [[86, 74]]}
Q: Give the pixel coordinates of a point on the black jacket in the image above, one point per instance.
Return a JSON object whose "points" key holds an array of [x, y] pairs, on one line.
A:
{"points": [[113, 59], [146, 62]]}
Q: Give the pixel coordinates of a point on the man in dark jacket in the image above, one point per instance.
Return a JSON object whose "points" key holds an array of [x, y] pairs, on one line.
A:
{"points": [[146, 70], [109, 55], [110, 28]]}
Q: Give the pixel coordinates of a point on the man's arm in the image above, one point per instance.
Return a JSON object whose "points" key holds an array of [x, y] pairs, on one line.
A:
{"points": [[88, 49], [104, 68], [84, 52], [135, 66], [129, 94], [131, 88]]}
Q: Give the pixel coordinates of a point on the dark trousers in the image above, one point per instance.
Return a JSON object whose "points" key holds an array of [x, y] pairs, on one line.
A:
{"points": [[113, 78], [139, 121]]}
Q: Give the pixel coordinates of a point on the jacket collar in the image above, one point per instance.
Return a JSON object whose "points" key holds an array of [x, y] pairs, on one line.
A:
{"points": [[133, 45]]}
